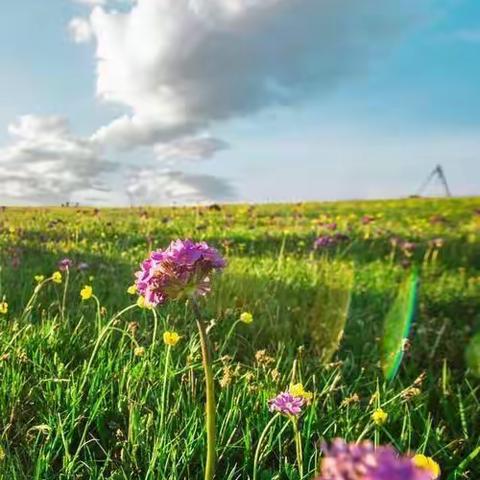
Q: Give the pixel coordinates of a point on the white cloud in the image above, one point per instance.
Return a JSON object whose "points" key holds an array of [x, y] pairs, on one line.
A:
{"points": [[180, 65], [166, 186], [92, 2], [80, 30], [189, 148], [46, 163]]}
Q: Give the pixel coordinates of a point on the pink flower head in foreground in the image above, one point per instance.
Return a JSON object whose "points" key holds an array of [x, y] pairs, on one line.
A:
{"points": [[287, 404], [64, 264], [362, 461], [183, 269]]}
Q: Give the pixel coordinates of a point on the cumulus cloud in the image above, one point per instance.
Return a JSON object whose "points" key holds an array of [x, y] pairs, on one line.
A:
{"points": [[91, 2], [46, 163], [80, 30], [180, 65], [189, 148], [169, 186]]}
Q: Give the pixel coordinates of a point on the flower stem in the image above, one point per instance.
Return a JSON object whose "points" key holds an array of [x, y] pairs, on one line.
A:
{"points": [[164, 389], [210, 396], [298, 446], [64, 300]]}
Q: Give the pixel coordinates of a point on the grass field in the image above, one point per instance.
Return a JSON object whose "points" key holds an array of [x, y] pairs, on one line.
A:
{"points": [[81, 401]]}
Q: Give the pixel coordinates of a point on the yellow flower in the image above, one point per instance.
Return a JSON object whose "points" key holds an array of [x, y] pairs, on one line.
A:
{"points": [[139, 351], [297, 390], [142, 303], [379, 416], [427, 463], [57, 277], [39, 278], [246, 317], [86, 292], [171, 338], [132, 289], [3, 308]]}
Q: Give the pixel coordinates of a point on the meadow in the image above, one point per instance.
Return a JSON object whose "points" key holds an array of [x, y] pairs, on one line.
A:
{"points": [[90, 390]]}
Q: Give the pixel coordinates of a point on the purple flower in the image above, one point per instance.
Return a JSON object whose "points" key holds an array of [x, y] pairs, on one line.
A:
{"points": [[344, 461], [64, 264], [366, 219], [182, 269], [287, 404], [324, 241], [327, 241]]}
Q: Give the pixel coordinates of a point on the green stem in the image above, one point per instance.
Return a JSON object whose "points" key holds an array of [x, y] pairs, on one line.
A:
{"points": [[210, 396], [164, 388], [99, 315], [259, 445], [298, 446], [64, 300]]}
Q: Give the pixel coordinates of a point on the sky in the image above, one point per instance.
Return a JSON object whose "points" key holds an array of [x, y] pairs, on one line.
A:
{"points": [[118, 102]]}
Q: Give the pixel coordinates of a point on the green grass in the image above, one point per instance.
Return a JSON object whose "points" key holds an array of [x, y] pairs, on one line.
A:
{"points": [[77, 403]]}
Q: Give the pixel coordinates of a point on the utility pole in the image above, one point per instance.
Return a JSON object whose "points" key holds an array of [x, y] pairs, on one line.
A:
{"points": [[436, 172]]}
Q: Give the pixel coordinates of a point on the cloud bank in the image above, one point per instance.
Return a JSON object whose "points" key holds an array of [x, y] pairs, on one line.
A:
{"points": [[46, 163], [179, 68]]}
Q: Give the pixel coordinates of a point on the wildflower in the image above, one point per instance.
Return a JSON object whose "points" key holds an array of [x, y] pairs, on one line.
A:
{"points": [[183, 269], [350, 400], [132, 290], [142, 303], [275, 374], [379, 417], [263, 358], [2, 454], [57, 277], [39, 278], [410, 392], [171, 338], [286, 404], [328, 241], [428, 464], [246, 317], [139, 351], [297, 390], [86, 292], [324, 241], [3, 308], [363, 462], [64, 264], [82, 266]]}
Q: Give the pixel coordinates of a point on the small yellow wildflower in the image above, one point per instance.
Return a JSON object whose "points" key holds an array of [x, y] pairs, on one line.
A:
{"points": [[246, 317], [171, 338], [132, 289], [427, 463], [39, 278], [142, 303], [379, 417], [57, 277], [2, 454], [3, 308], [86, 292], [297, 390], [139, 351]]}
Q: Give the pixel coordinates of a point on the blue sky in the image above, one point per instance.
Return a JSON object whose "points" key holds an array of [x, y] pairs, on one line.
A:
{"points": [[160, 104]]}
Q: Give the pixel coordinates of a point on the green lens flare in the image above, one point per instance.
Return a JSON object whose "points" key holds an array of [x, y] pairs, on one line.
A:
{"points": [[397, 326]]}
